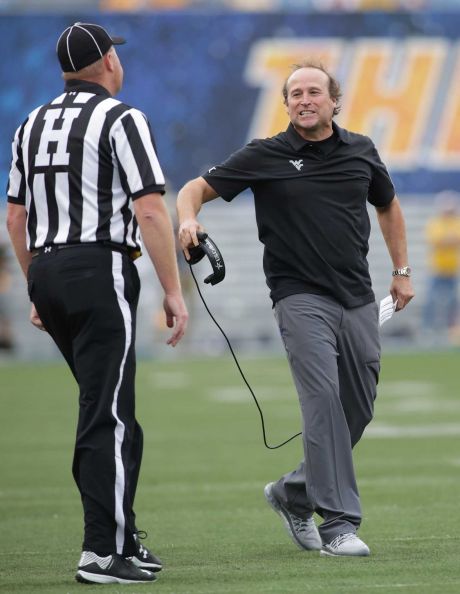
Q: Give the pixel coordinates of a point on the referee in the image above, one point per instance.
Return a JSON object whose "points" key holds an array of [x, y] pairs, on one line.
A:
{"points": [[85, 182]]}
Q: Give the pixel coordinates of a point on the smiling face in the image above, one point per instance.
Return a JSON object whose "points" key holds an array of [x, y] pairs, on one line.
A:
{"points": [[309, 104]]}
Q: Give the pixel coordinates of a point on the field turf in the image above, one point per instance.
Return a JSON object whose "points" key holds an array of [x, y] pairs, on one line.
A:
{"points": [[201, 491]]}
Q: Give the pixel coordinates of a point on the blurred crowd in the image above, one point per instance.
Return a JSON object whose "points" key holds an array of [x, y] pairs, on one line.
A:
{"points": [[275, 5], [441, 311], [12, 6]]}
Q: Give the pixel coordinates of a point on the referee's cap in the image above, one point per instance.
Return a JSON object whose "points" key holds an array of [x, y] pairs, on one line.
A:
{"points": [[81, 44]]}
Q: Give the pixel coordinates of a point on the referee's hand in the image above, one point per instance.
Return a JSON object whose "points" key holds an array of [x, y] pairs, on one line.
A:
{"points": [[35, 319], [176, 316]]}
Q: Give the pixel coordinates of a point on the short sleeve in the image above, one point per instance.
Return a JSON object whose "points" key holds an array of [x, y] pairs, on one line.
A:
{"points": [[135, 151], [381, 189], [237, 173], [16, 188]]}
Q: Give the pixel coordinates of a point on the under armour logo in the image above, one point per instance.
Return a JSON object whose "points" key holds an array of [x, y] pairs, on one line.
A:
{"points": [[297, 164], [47, 250], [212, 169]]}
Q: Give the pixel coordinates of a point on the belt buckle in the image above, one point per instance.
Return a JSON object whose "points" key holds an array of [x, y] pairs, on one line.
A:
{"points": [[134, 253]]}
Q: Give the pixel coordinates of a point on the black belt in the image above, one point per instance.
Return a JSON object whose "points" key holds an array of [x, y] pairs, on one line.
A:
{"points": [[133, 253]]}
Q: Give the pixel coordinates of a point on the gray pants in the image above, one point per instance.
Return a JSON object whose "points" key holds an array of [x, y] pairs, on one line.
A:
{"points": [[334, 354]]}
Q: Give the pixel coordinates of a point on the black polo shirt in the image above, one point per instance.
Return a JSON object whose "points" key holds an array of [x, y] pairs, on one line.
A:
{"points": [[310, 201]]}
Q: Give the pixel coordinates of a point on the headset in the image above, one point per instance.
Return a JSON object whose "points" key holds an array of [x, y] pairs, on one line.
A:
{"points": [[206, 247]]}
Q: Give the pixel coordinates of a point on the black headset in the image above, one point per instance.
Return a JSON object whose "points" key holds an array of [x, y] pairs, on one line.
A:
{"points": [[208, 248]]}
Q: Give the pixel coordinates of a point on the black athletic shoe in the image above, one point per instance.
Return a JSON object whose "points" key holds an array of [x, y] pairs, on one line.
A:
{"points": [[145, 559], [113, 569]]}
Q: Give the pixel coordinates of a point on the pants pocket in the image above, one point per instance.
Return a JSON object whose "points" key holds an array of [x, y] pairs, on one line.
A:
{"points": [[373, 368]]}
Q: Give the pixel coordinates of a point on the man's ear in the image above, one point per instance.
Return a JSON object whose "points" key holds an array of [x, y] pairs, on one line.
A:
{"points": [[108, 61]]}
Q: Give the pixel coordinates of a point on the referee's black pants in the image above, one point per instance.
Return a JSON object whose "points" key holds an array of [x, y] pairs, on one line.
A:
{"points": [[87, 298]]}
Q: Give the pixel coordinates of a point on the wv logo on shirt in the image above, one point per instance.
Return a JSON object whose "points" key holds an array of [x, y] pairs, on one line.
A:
{"points": [[297, 164]]}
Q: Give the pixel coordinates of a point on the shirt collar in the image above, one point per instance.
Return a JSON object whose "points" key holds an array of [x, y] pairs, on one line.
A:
{"points": [[297, 142], [85, 86]]}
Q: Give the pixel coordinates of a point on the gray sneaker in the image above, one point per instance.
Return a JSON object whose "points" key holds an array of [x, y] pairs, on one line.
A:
{"points": [[303, 532], [346, 545]]}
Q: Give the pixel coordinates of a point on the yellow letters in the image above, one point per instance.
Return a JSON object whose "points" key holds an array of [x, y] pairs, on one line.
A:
{"points": [[401, 92], [390, 92], [446, 153]]}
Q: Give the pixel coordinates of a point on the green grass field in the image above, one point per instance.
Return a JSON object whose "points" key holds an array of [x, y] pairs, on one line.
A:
{"points": [[201, 490]]}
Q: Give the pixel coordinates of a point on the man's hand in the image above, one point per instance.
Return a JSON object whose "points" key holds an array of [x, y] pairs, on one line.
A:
{"points": [[401, 290], [188, 235], [35, 319], [190, 199], [176, 317]]}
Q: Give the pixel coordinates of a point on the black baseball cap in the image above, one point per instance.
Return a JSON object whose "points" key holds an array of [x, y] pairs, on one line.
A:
{"points": [[82, 44]]}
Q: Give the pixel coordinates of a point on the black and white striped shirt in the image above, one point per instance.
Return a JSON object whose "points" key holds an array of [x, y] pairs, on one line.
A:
{"points": [[78, 163]]}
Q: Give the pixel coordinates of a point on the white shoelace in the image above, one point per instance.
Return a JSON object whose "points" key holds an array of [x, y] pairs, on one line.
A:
{"points": [[301, 525], [341, 538]]}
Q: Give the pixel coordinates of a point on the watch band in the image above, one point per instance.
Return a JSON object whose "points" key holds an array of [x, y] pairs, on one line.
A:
{"points": [[405, 271]]}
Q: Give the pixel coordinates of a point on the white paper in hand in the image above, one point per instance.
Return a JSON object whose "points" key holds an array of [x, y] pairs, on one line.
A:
{"points": [[387, 309]]}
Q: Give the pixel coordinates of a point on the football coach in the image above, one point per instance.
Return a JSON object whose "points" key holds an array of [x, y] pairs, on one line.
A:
{"points": [[311, 184]]}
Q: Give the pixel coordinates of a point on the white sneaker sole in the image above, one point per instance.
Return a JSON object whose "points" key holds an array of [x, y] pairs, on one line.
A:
{"points": [[94, 578], [326, 553]]}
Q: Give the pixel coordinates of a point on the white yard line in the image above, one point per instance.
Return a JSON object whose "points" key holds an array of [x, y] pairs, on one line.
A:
{"points": [[378, 430]]}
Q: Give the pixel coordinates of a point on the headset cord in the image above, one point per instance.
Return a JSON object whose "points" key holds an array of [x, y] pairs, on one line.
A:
{"points": [[241, 372]]}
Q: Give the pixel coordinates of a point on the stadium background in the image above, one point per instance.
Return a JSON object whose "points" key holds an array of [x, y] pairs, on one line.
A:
{"points": [[208, 75]]}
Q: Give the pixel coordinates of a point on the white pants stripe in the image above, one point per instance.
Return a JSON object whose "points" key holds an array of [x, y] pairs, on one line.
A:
{"points": [[119, 286]]}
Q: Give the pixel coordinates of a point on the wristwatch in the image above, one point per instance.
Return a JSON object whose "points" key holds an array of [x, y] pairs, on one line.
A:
{"points": [[405, 271]]}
